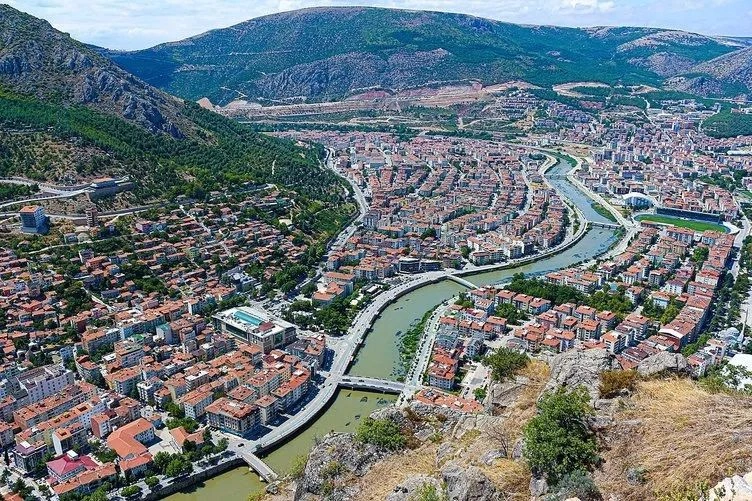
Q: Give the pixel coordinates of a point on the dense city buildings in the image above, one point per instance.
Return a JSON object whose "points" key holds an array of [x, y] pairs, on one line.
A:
{"points": [[217, 319]]}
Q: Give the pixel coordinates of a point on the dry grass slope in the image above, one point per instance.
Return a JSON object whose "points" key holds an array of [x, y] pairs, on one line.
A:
{"points": [[680, 436], [511, 477]]}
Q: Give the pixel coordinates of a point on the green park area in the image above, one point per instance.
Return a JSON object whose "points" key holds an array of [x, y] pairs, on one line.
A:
{"points": [[683, 223]]}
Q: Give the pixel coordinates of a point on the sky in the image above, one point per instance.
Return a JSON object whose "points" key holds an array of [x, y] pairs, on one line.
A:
{"points": [[136, 24]]}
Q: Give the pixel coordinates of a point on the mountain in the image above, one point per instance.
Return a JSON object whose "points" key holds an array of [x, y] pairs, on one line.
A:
{"points": [[328, 53], [67, 113], [39, 61]]}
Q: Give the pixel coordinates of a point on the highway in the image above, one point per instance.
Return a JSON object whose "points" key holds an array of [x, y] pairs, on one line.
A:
{"points": [[360, 199]]}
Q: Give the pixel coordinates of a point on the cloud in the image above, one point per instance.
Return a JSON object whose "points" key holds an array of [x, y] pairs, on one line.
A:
{"points": [[587, 5], [131, 24]]}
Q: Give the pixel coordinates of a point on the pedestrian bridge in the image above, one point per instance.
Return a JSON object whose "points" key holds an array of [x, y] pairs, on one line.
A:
{"points": [[599, 224], [365, 383], [257, 465], [462, 281]]}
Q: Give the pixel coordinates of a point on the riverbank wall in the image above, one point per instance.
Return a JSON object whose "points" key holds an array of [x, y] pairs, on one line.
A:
{"points": [[194, 480]]}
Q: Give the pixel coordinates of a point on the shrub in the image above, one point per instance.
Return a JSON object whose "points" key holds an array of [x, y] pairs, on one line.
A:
{"points": [[332, 469], [505, 363], [298, 466], [131, 490], [577, 484], [429, 492], [613, 382], [558, 440], [151, 481], [380, 432]]}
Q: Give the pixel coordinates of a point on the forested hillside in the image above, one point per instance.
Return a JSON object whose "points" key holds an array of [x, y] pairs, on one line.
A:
{"points": [[329, 53], [67, 114]]}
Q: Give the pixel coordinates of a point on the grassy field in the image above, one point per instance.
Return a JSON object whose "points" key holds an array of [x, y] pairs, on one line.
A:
{"points": [[684, 223], [603, 211]]}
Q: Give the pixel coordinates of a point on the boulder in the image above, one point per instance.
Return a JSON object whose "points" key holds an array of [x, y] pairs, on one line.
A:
{"points": [[518, 449], [575, 368], [503, 395], [336, 455], [663, 362], [444, 452], [468, 484], [411, 487], [489, 457], [538, 487]]}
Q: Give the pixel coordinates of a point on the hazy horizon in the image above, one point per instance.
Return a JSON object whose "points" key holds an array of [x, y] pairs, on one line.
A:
{"points": [[137, 24]]}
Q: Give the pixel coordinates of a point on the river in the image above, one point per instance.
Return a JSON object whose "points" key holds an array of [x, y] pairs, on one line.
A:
{"points": [[379, 355], [346, 410]]}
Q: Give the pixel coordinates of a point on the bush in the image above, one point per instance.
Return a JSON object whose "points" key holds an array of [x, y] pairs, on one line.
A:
{"points": [[577, 484], [505, 363], [298, 466], [332, 469], [151, 482], [429, 492], [558, 440], [380, 432], [613, 382], [131, 490]]}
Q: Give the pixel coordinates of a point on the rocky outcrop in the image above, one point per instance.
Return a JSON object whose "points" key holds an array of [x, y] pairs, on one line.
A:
{"points": [[663, 362], [468, 484], [736, 488], [701, 85], [411, 487], [339, 457], [36, 59], [735, 67], [665, 64], [336, 457], [575, 368], [503, 395], [331, 53]]}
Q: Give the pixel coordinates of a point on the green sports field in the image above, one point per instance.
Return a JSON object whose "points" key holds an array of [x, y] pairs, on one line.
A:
{"points": [[684, 223]]}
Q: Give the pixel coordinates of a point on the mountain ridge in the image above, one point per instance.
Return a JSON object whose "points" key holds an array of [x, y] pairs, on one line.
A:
{"points": [[324, 53], [69, 114]]}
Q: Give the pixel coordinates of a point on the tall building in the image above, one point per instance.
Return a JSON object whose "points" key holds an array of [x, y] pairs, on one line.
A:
{"points": [[33, 219], [41, 382], [255, 326], [92, 217]]}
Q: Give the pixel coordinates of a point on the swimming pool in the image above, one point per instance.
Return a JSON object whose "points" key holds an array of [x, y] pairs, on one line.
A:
{"points": [[247, 318]]}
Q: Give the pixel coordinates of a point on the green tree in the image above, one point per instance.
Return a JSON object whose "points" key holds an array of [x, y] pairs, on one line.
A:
{"points": [[700, 254], [222, 444], [671, 311], [161, 460], [558, 440], [505, 363], [381, 432], [131, 490], [178, 466], [511, 313]]}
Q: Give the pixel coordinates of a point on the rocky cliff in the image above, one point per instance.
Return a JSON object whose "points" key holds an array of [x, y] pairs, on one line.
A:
{"points": [[39, 61], [654, 443]]}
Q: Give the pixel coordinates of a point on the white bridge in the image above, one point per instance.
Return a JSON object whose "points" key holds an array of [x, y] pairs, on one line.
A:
{"points": [[366, 383], [259, 466], [600, 224], [461, 281]]}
